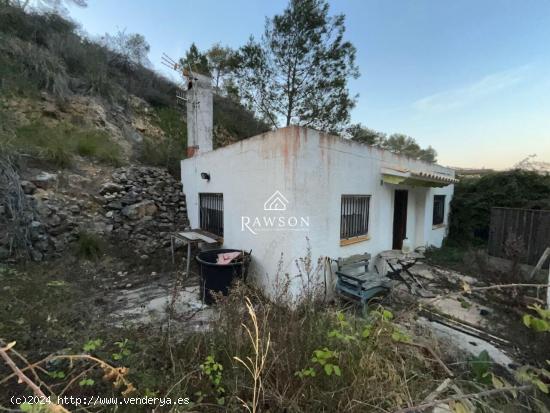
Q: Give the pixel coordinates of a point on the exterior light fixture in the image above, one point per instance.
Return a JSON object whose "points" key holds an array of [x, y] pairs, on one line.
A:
{"points": [[205, 175]]}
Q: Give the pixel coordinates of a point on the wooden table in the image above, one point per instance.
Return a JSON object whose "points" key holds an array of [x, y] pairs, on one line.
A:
{"points": [[192, 236]]}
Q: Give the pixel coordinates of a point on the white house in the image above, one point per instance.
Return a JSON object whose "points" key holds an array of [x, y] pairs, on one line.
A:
{"points": [[293, 189]]}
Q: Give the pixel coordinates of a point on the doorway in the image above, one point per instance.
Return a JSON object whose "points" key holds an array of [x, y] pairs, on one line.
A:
{"points": [[399, 218]]}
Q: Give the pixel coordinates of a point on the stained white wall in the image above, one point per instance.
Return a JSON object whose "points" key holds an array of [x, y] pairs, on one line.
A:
{"points": [[312, 170]]}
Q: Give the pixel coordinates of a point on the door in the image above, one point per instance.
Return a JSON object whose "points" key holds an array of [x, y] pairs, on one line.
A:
{"points": [[399, 218]]}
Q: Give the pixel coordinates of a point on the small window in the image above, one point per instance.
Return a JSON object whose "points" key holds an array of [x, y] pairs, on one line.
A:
{"points": [[439, 209], [211, 213], [354, 216]]}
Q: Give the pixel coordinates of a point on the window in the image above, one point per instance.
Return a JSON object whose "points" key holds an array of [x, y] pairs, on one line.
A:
{"points": [[439, 209], [354, 216], [211, 213]]}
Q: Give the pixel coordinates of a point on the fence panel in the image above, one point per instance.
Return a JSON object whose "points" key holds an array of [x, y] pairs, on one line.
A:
{"points": [[530, 228]]}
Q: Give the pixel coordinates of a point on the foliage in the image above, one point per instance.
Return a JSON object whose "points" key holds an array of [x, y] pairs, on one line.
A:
{"points": [[222, 62], [541, 323], [480, 367], [474, 197], [89, 245], [131, 49], [43, 51], [59, 143], [396, 143], [214, 372], [169, 151], [298, 73], [195, 60], [234, 118]]}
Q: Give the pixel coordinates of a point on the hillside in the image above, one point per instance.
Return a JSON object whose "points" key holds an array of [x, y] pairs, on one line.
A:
{"points": [[85, 99]]}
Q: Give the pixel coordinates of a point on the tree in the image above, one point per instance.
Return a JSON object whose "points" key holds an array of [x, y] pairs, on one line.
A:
{"points": [[195, 60], [58, 6], [131, 48], [396, 143], [298, 72], [405, 145], [221, 63], [360, 133]]}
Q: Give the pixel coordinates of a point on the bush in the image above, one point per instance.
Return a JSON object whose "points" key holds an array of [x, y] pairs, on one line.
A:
{"points": [[474, 198], [89, 246]]}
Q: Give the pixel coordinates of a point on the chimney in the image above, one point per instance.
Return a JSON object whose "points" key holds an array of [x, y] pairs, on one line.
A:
{"points": [[199, 114]]}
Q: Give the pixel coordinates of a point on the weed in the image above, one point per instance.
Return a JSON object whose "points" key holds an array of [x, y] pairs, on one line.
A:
{"points": [[169, 151], [57, 144], [89, 246]]}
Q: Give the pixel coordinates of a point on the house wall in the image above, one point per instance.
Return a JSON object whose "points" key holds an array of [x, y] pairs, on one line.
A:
{"points": [[312, 170]]}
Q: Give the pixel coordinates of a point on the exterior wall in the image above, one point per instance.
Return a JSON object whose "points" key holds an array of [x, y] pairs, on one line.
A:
{"points": [[312, 170]]}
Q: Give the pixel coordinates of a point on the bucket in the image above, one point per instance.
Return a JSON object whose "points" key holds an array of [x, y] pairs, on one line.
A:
{"points": [[218, 277]]}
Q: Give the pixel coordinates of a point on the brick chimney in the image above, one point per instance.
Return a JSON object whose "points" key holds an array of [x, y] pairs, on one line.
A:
{"points": [[199, 114]]}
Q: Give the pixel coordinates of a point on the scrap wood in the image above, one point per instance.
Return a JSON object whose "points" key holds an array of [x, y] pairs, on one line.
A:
{"points": [[434, 355], [545, 255], [440, 389], [485, 393], [462, 327]]}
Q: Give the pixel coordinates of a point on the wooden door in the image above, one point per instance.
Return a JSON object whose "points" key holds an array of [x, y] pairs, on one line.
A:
{"points": [[399, 218]]}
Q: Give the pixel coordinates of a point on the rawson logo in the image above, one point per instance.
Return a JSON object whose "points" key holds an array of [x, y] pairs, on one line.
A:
{"points": [[275, 217]]}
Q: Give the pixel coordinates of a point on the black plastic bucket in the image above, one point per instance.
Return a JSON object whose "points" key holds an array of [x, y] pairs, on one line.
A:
{"points": [[218, 277]]}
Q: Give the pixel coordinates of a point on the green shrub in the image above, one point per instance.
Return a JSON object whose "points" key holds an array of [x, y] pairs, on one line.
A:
{"points": [[474, 198], [89, 245]]}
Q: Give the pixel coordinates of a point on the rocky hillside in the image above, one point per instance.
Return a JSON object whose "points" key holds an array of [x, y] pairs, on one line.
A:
{"points": [[90, 143]]}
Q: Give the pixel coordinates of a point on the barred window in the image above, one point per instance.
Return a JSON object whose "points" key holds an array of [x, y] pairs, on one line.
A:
{"points": [[211, 213], [354, 216], [439, 210]]}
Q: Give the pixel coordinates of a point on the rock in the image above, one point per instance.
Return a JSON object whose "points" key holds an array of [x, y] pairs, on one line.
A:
{"points": [[28, 187], [114, 205], [36, 255], [139, 210], [4, 253], [54, 220], [44, 180], [110, 187], [42, 245], [75, 209]]}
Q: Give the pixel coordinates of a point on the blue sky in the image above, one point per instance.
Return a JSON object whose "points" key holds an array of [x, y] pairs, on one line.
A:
{"points": [[471, 78]]}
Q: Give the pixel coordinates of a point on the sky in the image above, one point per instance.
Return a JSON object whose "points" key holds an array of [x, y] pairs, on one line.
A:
{"points": [[470, 78]]}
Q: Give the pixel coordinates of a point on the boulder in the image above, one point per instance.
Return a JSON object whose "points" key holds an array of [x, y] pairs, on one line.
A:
{"points": [[139, 210], [28, 187], [110, 188], [44, 180]]}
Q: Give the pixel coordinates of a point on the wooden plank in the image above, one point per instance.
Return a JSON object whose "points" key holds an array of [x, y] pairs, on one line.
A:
{"points": [[531, 226]]}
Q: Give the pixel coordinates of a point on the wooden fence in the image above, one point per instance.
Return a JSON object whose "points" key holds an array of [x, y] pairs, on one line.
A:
{"points": [[530, 228]]}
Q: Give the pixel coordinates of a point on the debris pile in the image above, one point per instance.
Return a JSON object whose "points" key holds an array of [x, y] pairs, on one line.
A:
{"points": [[144, 205]]}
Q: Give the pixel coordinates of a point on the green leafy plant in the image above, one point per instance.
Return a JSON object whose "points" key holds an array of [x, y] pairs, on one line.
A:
{"points": [[479, 366], [123, 350], [214, 372], [92, 345], [344, 332], [325, 359], [86, 382], [541, 323]]}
